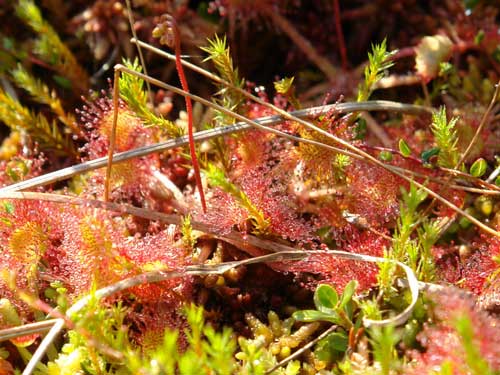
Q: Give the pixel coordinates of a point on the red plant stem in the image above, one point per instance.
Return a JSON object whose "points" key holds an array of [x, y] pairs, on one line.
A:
{"points": [[340, 34], [189, 108]]}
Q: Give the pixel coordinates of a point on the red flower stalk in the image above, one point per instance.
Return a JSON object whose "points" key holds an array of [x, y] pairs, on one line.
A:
{"points": [[172, 38]]}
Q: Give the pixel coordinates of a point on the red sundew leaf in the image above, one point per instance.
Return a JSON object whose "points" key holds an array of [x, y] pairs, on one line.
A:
{"points": [[5, 367], [472, 271], [152, 318], [270, 195], [25, 341], [373, 193], [457, 197], [441, 341], [489, 299], [157, 252], [224, 213], [339, 272]]}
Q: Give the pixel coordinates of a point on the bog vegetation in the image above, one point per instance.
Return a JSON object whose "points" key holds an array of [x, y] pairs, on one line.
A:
{"points": [[266, 187]]}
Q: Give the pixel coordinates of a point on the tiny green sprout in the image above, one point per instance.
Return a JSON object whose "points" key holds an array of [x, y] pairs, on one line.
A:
{"points": [[188, 240], [379, 60], [8, 207], [445, 135], [332, 347], [497, 181], [475, 361], [17, 169], [404, 148], [8, 313], [384, 341], [445, 68], [284, 85], [478, 168], [385, 155], [360, 129], [479, 37], [330, 307]]}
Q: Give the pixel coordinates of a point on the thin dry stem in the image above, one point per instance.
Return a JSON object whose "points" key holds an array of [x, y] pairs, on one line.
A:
{"points": [[26, 329], [112, 137], [42, 348]]}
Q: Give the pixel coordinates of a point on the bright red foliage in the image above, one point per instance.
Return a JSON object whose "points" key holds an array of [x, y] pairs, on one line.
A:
{"points": [[338, 272], [442, 342]]}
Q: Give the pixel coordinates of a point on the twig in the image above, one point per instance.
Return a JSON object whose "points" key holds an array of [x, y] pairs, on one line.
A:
{"points": [[42, 348], [170, 186], [26, 329], [397, 80], [493, 175], [112, 137]]}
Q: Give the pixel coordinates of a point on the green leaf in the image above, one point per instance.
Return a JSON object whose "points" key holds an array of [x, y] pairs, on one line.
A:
{"points": [[64, 82], [478, 168], [331, 348], [325, 298], [404, 148], [338, 341], [428, 154], [385, 155], [349, 290], [315, 315]]}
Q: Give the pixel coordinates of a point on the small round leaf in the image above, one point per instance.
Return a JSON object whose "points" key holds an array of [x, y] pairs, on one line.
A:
{"points": [[404, 148], [478, 168], [385, 155], [325, 298]]}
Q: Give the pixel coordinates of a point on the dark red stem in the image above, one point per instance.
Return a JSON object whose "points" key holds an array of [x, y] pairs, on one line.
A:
{"points": [[189, 109]]}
